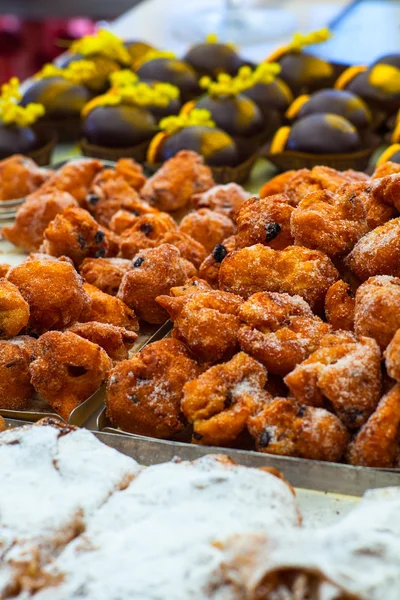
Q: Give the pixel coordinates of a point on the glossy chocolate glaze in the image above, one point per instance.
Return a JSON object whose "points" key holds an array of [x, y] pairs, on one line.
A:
{"points": [[118, 126]]}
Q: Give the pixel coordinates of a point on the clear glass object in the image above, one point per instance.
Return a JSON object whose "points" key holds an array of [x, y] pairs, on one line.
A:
{"points": [[234, 21]]}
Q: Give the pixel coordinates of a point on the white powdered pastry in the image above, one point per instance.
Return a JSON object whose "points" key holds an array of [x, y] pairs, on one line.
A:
{"points": [[50, 483], [155, 539], [358, 556]]}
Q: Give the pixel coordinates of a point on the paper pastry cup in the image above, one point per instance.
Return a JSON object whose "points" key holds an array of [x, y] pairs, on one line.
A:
{"points": [[290, 160], [42, 155], [138, 152], [67, 130]]}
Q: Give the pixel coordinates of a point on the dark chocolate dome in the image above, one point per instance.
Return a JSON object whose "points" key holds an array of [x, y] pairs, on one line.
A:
{"points": [[306, 73], [17, 140], [274, 95], [338, 102], [376, 97], [61, 98], [237, 115], [213, 58], [216, 146], [323, 134], [174, 71], [118, 126], [389, 59]]}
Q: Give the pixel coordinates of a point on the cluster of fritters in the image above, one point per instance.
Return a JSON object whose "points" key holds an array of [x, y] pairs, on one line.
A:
{"points": [[285, 307]]}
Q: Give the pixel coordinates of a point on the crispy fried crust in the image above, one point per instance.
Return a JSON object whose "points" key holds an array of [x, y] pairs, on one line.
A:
{"points": [[75, 177], [16, 355], [225, 199], [207, 227], [146, 231], [265, 221], [154, 272], [288, 428], [19, 177], [279, 330], [116, 341], [144, 394], [209, 268], [277, 184], [177, 180], [104, 308], [340, 306], [295, 270], [14, 310], [219, 402], [105, 273], [189, 248], [53, 290], [392, 357], [68, 370]]}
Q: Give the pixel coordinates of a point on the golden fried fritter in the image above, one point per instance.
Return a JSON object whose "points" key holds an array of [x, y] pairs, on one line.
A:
{"points": [[387, 189], [14, 310], [346, 372], [144, 394], [377, 443], [146, 232], [154, 272], [387, 168], [330, 222], [280, 330], [189, 248], [208, 323], [4, 269], [208, 227], [116, 341], [339, 306], [178, 296], [34, 216], [105, 273], [16, 355], [276, 185], [172, 186], [132, 172], [76, 234], [19, 177], [225, 199], [377, 211], [123, 219], [75, 177], [377, 253], [377, 309], [295, 270], [104, 308], [220, 401], [304, 182], [209, 268], [392, 357], [68, 370], [287, 428], [105, 211], [53, 290], [265, 221]]}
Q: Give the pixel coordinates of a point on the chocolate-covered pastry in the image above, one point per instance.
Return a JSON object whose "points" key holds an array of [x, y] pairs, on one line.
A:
{"points": [[338, 102], [164, 66], [193, 131], [389, 59], [271, 94], [318, 134], [213, 57], [118, 126], [304, 72]]}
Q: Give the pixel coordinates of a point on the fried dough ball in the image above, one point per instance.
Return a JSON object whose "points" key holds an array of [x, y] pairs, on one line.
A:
{"points": [[34, 216], [189, 248], [295, 271], [179, 295], [220, 401], [208, 323], [387, 189], [19, 177], [144, 394], [339, 306], [377, 443], [209, 268], [116, 341], [377, 309], [16, 355], [172, 186], [265, 221], [105, 273], [3, 425], [146, 232], [377, 253], [386, 168], [53, 290], [122, 220], [76, 234], [75, 177], [68, 370], [332, 223], [14, 310], [378, 212], [277, 184], [287, 428], [207, 227], [224, 199], [280, 330], [132, 172], [154, 272], [392, 357], [346, 372], [319, 178], [108, 309], [4, 270]]}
